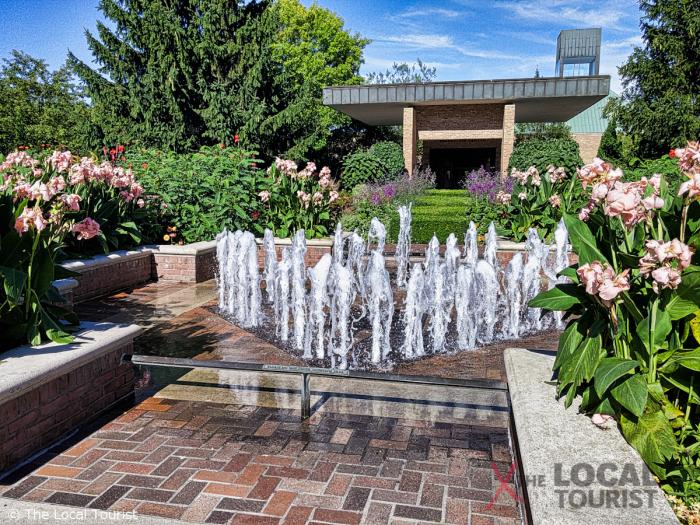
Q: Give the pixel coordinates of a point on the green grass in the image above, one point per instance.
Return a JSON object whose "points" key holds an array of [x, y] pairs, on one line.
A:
{"points": [[439, 212]]}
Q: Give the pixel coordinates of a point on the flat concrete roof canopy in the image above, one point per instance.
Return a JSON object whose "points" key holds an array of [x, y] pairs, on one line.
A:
{"points": [[550, 99]]}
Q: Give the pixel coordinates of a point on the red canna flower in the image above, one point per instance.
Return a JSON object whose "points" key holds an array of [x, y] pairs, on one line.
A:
{"points": [[255, 215], [236, 138], [120, 148], [672, 153]]}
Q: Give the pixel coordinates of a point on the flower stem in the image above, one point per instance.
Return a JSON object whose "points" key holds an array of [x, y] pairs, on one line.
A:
{"points": [[651, 346], [684, 221]]}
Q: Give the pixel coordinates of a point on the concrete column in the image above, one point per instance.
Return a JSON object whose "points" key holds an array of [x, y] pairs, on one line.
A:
{"points": [[508, 135], [410, 139]]}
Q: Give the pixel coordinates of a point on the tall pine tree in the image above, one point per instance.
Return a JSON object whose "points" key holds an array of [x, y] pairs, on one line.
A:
{"points": [[177, 74], [660, 105]]}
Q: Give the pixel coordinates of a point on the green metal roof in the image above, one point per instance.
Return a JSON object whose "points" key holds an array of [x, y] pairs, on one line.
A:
{"points": [[591, 120]]}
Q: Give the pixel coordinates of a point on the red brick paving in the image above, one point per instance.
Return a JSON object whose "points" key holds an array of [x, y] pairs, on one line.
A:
{"points": [[272, 468]]}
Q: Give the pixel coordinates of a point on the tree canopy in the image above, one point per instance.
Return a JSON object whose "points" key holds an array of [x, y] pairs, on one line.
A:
{"points": [[404, 73], [179, 74], [660, 105], [39, 106]]}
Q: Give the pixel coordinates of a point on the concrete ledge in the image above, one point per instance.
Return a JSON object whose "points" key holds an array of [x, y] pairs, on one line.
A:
{"points": [[196, 248], [27, 367], [565, 457], [98, 261]]}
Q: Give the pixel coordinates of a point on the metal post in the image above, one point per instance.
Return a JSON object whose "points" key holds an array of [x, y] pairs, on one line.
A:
{"points": [[305, 397]]}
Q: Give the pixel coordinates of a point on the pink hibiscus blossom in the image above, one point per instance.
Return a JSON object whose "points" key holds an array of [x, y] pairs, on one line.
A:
{"points": [[86, 229]]}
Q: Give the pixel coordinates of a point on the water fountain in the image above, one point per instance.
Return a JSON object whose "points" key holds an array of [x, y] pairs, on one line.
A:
{"points": [[452, 301]]}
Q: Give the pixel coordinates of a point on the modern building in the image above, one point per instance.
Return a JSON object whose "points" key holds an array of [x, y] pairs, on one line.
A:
{"points": [[466, 124]]}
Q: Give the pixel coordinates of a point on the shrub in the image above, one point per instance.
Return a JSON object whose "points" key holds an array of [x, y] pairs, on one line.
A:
{"points": [[361, 167], [390, 154], [296, 199], [202, 192], [484, 184], [544, 153], [665, 166], [629, 349]]}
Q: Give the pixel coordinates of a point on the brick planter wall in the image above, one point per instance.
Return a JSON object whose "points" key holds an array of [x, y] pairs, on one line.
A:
{"points": [[106, 274], [191, 263], [50, 390]]}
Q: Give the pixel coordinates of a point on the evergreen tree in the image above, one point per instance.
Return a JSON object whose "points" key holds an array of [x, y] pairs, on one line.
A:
{"points": [[660, 105], [179, 73]]}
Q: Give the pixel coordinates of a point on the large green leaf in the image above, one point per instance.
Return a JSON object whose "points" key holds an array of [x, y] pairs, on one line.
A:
{"points": [[632, 394], [561, 298], [570, 340], [583, 363], [610, 370], [651, 435], [14, 281], [689, 360], [686, 298], [582, 240]]}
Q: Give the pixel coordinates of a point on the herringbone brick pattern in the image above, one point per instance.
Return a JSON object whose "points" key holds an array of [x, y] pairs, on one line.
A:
{"points": [[215, 463]]}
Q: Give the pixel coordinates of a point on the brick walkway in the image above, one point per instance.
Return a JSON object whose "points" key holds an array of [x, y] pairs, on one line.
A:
{"points": [[219, 463]]}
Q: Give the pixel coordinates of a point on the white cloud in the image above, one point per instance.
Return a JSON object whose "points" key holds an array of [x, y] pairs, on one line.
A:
{"points": [[444, 42], [430, 11], [609, 15]]}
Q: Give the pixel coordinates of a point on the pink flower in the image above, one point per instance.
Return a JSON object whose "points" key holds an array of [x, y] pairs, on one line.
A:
{"points": [[60, 160], [624, 201], [599, 192], [503, 198], [71, 200], [39, 190], [264, 196], [318, 197], [325, 172], [28, 217], [86, 229], [689, 157], [610, 288], [38, 173], [600, 279], [522, 195], [304, 198], [682, 252], [601, 420], [57, 184], [691, 187], [333, 196], [140, 203], [556, 174], [665, 277], [653, 202], [590, 274], [555, 201]]}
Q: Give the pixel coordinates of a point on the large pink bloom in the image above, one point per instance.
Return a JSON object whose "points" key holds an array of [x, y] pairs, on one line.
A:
{"points": [[72, 201], [60, 160], [600, 279], [691, 187], [28, 218], [86, 229]]}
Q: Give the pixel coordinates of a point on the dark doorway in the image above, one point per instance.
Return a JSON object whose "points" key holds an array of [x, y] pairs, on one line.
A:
{"points": [[452, 165]]}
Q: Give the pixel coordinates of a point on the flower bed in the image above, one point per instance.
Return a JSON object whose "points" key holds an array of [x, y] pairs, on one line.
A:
{"points": [[631, 349]]}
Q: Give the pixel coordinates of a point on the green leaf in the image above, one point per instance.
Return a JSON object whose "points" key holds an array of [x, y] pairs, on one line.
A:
{"points": [[632, 394], [582, 240], [14, 281], [59, 336], [651, 435], [689, 360], [610, 370], [561, 298], [583, 363], [569, 341], [570, 272], [686, 298]]}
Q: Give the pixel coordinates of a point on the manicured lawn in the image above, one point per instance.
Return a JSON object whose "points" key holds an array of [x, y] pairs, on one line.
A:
{"points": [[439, 212]]}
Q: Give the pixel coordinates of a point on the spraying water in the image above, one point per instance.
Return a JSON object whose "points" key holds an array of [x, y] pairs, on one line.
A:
{"points": [[270, 264], [471, 245], [299, 287], [403, 246], [377, 233], [318, 275], [380, 306]]}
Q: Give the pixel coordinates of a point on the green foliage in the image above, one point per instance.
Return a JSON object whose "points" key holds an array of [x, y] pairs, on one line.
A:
{"points": [[610, 148], [665, 166], [633, 354], [404, 73], [311, 51], [362, 213], [180, 75], [659, 107], [390, 154], [543, 153], [542, 131], [38, 106], [362, 167], [202, 192]]}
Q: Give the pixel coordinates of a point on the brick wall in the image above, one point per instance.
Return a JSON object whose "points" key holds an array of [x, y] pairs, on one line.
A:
{"points": [[119, 274], [460, 117], [313, 254], [588, 144], [39, 417], [184, 268]]}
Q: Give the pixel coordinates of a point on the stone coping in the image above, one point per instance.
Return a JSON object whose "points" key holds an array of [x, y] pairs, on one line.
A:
{"points": [[196, 248], [323, 242], [65, 285], [97, 261], [553, 438], [27, 367]]}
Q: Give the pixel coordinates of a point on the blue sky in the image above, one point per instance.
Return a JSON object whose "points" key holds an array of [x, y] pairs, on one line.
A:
{"points": [[464, 39]]}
